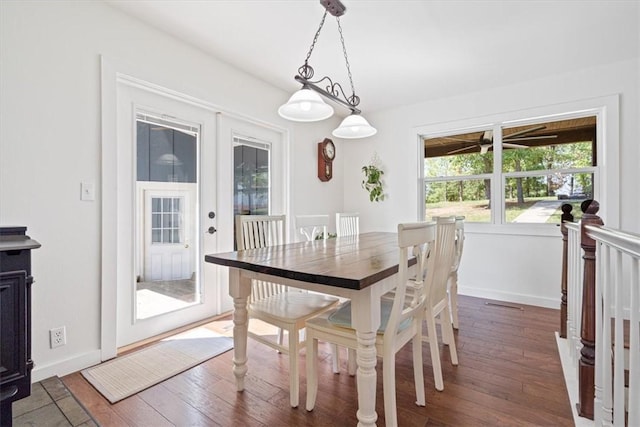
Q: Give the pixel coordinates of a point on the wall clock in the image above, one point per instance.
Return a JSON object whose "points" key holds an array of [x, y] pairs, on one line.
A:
{"points": [[326, 154]]}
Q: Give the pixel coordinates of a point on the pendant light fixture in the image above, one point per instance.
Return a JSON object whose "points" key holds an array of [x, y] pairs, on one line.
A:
{"points": [[306, 105]]}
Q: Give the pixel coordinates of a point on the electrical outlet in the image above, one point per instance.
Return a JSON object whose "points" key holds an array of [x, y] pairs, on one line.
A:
{"points": [[58, 336]]}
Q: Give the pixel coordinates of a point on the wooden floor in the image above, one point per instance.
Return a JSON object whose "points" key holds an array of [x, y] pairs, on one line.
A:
{"points": [[509, 375]]}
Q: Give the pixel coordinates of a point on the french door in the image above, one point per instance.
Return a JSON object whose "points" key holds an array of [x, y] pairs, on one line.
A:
{"points": [[167, 213]]}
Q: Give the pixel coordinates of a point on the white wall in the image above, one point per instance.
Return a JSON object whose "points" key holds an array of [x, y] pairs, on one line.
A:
{"points": [[493, 264], [50, 142]]}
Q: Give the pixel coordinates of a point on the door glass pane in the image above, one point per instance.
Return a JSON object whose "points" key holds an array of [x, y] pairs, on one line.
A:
{"points": [[167, 266], [251, 178]]}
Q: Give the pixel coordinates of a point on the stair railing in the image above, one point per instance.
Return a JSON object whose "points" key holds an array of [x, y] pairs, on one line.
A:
{"points": [[601, 288], [617, 316]]}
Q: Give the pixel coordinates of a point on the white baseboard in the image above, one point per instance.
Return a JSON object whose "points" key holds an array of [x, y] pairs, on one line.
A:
{"points": [[510, 297], [65, 367]]}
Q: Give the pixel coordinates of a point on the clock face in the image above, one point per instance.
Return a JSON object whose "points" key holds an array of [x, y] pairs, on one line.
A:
{"points": [[329, 149]]}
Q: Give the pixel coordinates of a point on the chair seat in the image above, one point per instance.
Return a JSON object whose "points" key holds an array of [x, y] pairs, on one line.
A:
{"points": [[323, 329], [342, 316], [292, 306]]}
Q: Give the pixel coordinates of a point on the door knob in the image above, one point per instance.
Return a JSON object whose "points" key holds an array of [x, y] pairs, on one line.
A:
{"points": [[211, 230], [212, 215]]}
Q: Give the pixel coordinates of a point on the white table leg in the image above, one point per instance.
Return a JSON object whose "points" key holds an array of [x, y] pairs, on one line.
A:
{"points": [[239, 289], [365, 315]]}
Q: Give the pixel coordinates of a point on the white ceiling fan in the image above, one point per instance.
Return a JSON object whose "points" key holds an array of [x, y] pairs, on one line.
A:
{"points": [[486, 140]]}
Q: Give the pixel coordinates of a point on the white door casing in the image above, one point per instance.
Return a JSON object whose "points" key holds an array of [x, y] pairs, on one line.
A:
{"points": [[116, 200]]}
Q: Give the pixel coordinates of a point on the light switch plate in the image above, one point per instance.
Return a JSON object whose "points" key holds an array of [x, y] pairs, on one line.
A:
{"points": [[87, 191]]}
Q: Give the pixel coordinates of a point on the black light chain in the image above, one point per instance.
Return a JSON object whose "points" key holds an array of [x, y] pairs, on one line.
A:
{"points": [[315, 38], [346, 59]]}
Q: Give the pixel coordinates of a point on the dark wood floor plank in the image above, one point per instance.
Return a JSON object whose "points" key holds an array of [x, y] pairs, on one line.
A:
{"points": [[176, 411], [192, 392], [509, 375]]}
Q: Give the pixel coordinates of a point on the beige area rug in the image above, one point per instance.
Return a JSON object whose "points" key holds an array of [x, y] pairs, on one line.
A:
{"points": [[126, 375]]}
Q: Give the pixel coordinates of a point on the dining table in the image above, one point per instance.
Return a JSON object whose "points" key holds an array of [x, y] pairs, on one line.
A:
{"points": [[361, 268]]}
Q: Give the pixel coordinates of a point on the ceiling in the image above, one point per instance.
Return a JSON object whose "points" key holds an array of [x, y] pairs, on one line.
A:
{"points": [[404, 52]]}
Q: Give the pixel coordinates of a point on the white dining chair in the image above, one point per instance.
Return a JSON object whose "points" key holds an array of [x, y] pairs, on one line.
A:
{"points": [[452, 285], [276, 304], [313, 227], [437, 309], [347, 224], [401, 318]]}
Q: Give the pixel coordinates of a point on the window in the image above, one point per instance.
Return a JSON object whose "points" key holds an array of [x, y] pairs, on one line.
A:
{"points": [[166, 219], [533, 169]]}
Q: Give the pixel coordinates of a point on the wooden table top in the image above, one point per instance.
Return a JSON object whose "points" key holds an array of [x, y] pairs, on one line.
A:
{"points": [[353, 262]]}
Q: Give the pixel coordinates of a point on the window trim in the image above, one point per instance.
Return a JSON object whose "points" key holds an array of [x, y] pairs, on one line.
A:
{"points": [[606, 191]]}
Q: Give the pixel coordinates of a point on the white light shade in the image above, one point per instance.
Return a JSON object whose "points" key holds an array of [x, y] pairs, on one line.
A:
{"points": [[305, 106], [354, 126]]}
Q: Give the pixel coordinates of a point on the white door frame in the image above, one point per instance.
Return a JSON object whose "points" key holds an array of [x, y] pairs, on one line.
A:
{"points": [[112, 73]]}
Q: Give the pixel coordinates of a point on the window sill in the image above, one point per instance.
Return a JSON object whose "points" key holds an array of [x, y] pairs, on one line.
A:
{"points": [[529, 229]]}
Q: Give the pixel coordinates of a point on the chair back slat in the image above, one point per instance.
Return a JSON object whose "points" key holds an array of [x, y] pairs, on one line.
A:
{"points": [[459, 243], [260, 231], [446, 252], [347, 224]]}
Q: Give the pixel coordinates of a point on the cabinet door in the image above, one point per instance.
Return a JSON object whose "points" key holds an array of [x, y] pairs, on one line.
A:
{"points": [[13, 318]]}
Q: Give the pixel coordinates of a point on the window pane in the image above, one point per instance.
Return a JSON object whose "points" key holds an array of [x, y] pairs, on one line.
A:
{"points": [[458, 165], [155, 220], [155, 236], [156, 204], [166, 221], [538, 199], [166, 236], [469, 198], [552, 145], [479, 142], [251, 180], [166, 205]]}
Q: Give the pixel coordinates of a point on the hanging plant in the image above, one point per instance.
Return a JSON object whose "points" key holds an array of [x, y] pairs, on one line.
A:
{"points": [[373, 180]]}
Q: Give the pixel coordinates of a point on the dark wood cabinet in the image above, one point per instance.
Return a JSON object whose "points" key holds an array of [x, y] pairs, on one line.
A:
{"points": [[15, 318]]}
